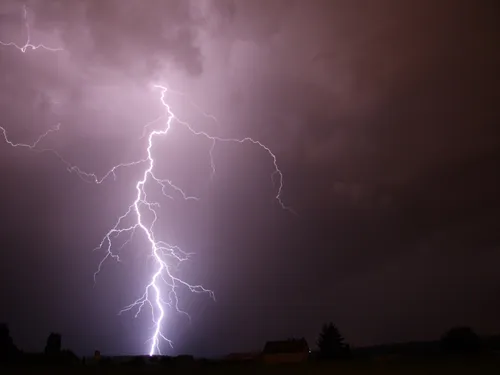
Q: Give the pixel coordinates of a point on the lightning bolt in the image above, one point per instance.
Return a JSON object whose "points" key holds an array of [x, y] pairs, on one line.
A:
{"points": [[141, 215], [28, 44], [167, 256]]}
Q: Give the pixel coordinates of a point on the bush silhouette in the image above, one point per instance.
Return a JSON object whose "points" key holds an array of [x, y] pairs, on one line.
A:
{"points": [[460, 340], [8, 351], [53, 346]]}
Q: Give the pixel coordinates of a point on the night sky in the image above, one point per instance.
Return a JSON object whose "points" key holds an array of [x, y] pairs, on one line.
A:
{"points": [[383, 116]]}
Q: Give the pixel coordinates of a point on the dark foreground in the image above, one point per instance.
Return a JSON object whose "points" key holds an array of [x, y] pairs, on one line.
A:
{"points": [[483, 366]]}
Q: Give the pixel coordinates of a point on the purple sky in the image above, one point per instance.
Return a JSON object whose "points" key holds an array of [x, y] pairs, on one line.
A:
{"points": [[383, 116]]}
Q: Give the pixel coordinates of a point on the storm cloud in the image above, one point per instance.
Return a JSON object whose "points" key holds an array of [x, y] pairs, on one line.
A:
{"points": [[383, 116]]}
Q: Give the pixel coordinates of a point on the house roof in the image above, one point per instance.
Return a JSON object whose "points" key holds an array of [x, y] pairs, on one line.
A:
{"points": [[287, 346]]}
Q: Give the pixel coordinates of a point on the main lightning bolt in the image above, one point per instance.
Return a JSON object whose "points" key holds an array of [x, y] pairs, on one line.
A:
{"points": [[167, 256], [160, 291]]}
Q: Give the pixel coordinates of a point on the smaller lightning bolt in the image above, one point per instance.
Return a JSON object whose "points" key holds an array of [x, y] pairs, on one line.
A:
{"points": [[33, 145], [214, 139], [28, 44], [84, 176]]}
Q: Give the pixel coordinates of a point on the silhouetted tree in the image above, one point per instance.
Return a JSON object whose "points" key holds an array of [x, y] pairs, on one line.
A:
{"points": [[460, 340], [331, 343], [53, 346], [8, 351]]}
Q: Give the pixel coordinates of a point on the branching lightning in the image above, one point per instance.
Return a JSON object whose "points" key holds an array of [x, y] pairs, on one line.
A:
{"points": [[160, 292], [28, 44]]}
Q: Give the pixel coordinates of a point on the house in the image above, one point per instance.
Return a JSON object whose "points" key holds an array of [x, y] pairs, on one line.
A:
{"points": [[288, 351]]}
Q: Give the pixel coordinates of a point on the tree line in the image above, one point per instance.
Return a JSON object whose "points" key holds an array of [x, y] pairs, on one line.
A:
{"points": [[460, 341], [330, 343]]}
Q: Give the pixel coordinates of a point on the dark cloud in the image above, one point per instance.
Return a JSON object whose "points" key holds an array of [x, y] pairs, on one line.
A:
{"points": [[114, 32], [383, 116]]}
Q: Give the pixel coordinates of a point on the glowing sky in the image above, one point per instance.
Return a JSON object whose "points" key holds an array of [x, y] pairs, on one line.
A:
{"points": [[382, 116]]}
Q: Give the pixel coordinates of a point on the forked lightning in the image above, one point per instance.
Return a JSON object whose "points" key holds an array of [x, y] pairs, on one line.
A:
{"points": [[160, 291]]}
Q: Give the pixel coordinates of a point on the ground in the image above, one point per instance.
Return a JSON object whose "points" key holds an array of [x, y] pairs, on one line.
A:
{"points": [[489, 366]]}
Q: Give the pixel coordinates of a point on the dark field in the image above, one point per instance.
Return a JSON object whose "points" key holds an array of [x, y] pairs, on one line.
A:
{"points": [[488, 366]]}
